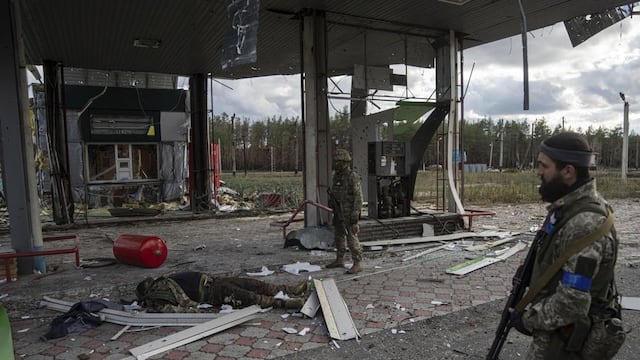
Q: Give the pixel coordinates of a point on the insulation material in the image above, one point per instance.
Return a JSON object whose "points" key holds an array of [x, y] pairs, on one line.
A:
{"points": [[173, 170]]}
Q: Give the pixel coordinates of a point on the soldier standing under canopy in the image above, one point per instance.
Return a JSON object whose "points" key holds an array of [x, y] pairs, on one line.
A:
{"points": [[345, 198], [576, 315]]}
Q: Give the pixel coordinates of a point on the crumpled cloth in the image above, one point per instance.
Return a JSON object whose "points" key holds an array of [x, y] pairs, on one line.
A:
{"points": [[81, 316]]}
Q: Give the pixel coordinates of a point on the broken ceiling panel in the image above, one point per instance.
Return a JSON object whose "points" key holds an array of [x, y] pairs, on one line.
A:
{"points": [[582, 28]]}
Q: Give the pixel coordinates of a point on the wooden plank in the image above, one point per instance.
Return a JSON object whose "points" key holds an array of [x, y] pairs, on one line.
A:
{"points": [[119, 333], [335, 311], [414, 240], [483, 261], [471, 265], [138, 318], [429, 251], [489, 245], [195, 333]]}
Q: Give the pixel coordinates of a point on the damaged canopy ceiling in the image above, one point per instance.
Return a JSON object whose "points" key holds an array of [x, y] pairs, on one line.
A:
{"points": [[187, 37]]}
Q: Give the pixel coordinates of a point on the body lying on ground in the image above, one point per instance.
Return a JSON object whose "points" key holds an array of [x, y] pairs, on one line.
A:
{"points": [[182, 292]]}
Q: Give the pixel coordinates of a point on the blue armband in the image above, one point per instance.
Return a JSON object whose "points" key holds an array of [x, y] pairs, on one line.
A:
{"points": [[576, 281]]}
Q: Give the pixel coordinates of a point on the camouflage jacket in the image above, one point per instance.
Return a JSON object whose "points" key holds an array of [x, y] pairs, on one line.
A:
{"points": [[347, 191], [558, 305], [164, 295]]}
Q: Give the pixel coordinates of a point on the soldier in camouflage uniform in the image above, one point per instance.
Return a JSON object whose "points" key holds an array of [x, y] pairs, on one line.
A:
{"points": [[346, 201], [182, 292], [576, 315]]}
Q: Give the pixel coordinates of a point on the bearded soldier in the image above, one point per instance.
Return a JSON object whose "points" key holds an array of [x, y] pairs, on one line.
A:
{"points": [[345, 198], [576, 314]]}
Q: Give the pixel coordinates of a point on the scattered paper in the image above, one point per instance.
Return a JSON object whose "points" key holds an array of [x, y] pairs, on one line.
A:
{"points": [[298, 267], [304, 331], [263, 272], [226, 308], [437, 303], [290, 330], [281, 295]]}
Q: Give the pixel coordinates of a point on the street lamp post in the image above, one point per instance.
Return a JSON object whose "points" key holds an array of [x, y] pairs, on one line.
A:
{"points": [[625, 138]]}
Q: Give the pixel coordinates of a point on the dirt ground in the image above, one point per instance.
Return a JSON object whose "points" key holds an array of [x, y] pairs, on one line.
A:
{"points": [[233, 245]]}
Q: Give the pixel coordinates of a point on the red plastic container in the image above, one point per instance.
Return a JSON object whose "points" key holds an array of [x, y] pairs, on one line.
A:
{"points": [[140, 250]]}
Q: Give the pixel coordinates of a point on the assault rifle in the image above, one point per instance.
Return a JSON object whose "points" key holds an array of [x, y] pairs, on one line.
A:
{"points": [[520, 283], [337, 211]]}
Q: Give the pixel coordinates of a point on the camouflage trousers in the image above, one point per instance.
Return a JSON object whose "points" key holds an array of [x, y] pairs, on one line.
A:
{"points": [[242, 292], [343, 238], [597, 345], [549, 346]]}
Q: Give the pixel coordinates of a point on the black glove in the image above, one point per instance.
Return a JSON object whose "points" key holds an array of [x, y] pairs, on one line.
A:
{"points": [[516, 322]]}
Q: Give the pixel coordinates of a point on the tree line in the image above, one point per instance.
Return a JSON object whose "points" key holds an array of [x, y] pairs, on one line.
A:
{"points": [[276, 143]]}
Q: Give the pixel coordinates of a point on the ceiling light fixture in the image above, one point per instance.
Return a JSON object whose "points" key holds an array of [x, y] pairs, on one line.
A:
{"points": [[147, 43], [455, 2]]}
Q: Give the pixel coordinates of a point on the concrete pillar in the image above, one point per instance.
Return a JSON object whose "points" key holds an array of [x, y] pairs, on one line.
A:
{"points": [[200, 167], [18, 167], [317, 142]]}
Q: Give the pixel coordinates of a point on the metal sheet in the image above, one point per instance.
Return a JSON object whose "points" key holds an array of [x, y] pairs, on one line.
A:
{"points": [[335, 311], [195, 333]]}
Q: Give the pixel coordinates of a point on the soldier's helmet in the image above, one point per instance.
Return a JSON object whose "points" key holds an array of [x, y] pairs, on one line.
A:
{"points": [[341, 155]]}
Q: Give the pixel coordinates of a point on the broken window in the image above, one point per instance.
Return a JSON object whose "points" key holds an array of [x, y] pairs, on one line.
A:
{"points": [[122, 162]]}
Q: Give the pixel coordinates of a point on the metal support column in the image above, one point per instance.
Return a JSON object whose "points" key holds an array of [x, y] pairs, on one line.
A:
{"points": [[201, 174], [57, 139], [317, 146], [18, 166]]}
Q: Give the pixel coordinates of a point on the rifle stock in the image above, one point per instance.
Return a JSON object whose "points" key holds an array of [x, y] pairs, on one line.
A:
{"points": [[520, 283], [337, 211]]}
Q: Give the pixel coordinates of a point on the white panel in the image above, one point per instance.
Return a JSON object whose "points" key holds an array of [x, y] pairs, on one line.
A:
{"points": [[336, 314], [174, 126]]}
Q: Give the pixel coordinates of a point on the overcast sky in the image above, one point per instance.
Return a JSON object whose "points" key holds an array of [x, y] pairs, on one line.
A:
{"points": [[581, 84]]}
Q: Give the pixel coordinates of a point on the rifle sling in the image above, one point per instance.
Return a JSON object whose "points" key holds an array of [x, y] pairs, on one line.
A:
{"points": [[557, 265]]}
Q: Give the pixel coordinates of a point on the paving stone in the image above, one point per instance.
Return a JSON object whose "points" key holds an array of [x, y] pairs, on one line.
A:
{"points": [[223, 338], [254, 332], [194, 346], [199, 356], [234, 351]]}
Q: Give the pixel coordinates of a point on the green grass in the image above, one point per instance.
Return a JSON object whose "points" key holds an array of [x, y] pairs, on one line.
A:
{"points": [[508, 187]]}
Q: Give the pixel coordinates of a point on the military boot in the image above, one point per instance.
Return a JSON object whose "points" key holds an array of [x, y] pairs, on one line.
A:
{"points": [[338, 262], [294, 303], [298, 289], [268, 301], [356, 268]]}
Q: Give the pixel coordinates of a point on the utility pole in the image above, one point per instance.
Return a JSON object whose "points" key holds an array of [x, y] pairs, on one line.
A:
{"points": [[233, 146], [490, 153], [637, 153], [625, 138], [501, 145]]}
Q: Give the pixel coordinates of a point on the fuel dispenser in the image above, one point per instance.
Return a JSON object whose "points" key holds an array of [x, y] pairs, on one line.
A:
{"points": [[389, 185]]}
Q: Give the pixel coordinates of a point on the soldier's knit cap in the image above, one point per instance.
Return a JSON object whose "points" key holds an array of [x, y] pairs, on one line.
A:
{"points": [[568, 147]]}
